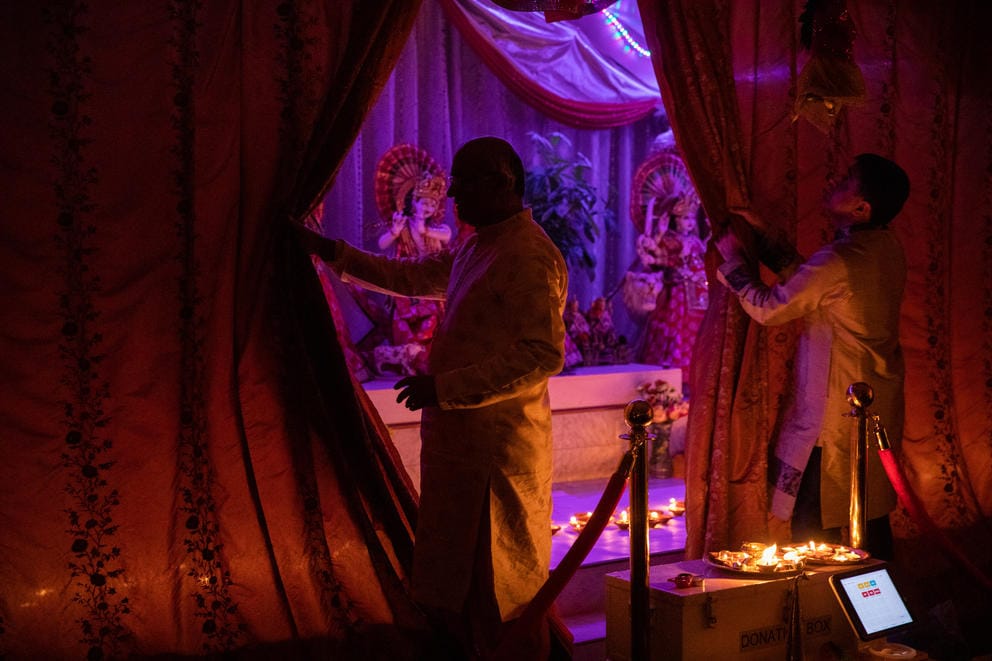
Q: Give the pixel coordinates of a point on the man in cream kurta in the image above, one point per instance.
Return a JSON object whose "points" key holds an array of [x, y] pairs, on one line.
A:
{"points": [[485, 508], [848, 294]]}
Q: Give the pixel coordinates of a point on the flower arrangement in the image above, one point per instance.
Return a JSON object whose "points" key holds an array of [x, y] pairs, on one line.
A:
{"points": [[668, 403]]}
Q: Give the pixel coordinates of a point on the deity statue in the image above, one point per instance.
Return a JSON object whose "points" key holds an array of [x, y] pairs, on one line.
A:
{"points": [[603, 339], [417, 229], [671, 250], [576, 334], [591, 337], [410, 192]]}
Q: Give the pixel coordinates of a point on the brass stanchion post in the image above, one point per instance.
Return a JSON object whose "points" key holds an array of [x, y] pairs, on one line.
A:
{"points": [[860, 396], [638, 415]]}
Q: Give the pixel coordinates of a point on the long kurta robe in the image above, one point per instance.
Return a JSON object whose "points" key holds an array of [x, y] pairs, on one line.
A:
{"points": [[486, 448], [848, 294]]}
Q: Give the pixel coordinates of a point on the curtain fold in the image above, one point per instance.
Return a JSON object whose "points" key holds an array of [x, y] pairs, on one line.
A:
{"points": [[189, 467], [727, 73], [726, 458]]}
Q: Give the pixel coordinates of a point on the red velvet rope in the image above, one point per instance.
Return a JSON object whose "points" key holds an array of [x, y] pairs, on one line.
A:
{"points": [[909, 500], [538, 608]]}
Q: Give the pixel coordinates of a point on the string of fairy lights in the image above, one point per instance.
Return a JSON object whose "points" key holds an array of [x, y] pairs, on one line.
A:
{"points": [[620, 33]]}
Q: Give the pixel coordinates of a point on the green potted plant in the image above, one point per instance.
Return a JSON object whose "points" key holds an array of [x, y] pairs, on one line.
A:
{"points": [[564, 202]]}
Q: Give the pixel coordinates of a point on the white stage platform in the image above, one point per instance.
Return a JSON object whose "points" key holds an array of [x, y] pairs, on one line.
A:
{"points": [[587, 406]]}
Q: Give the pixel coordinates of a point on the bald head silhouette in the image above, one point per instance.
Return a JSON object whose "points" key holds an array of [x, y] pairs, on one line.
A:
{"points": [[487, 181]]}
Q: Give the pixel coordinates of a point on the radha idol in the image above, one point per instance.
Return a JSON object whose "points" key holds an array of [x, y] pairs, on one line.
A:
{"points": [[670, 286], [410, 192]]}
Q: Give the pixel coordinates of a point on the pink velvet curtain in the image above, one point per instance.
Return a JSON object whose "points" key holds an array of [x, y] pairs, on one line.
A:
{"points": [[188, 467], [727, 72]]}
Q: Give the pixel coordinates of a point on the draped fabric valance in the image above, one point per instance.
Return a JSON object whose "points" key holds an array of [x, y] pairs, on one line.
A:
{"points": [[569, 70]]}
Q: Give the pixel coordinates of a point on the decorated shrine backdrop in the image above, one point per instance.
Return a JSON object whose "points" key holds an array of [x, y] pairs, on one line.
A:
{"points": [[728, 73], [443, 93]]}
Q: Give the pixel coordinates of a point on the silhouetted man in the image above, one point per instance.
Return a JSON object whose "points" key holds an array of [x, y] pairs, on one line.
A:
{"points": [[848, 293], [483, 545]]}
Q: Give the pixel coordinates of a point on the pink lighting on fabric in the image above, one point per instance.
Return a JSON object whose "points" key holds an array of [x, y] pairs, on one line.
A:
{"points": [[560, 69]]}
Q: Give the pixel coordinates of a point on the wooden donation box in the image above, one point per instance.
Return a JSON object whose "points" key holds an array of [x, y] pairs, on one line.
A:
{"points": [[728, 617]]}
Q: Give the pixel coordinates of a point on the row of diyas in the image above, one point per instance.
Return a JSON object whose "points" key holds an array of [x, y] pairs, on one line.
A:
{"points": [[656, 517], [758, 558], [835, 554]]}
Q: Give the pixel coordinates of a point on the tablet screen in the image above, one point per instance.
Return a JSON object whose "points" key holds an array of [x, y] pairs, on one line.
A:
{"points": [[871, 601]]}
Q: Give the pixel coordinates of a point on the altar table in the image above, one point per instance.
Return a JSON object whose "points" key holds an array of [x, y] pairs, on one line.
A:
{"points": [[587, 417]]}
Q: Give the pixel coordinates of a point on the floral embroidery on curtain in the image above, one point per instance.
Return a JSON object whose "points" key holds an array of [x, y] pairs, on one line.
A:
{"points": [[164, 493], [885, 124], [296, 32], [206, 565], [958, 501], [96, 567], [986, 261]]}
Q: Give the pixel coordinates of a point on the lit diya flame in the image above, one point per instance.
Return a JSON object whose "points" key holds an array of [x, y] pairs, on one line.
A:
{"points": [[755, 557], [658, 518], [845, 554], [579, 521], [792, 556], [676, 507], [655, 518], [769, 558], [821, 552]]}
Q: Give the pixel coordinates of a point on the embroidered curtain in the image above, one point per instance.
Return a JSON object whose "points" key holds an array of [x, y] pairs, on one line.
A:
{"points": [[188, 467], [726, 71]]}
